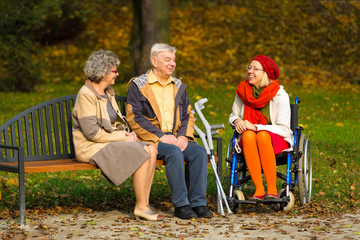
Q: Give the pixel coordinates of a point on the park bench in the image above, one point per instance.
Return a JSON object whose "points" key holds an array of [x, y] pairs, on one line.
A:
{"points": [[40, 140]]}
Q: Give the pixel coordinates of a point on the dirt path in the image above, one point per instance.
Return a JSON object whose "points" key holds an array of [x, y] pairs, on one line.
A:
{"points": [[121, 225]]}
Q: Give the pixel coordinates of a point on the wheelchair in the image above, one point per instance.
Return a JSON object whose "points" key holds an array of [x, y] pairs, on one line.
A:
{"points": [[298, 171]]}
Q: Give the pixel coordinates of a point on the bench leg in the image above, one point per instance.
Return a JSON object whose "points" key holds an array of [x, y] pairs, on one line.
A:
{"points": [[22, 198], [22, 188]]}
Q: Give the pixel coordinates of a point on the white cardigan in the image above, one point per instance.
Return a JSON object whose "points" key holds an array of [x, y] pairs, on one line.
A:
{"points": [[279, 115]]}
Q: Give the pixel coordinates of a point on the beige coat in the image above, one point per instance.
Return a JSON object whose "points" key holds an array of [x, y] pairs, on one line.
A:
{"points": [[98, 141]]}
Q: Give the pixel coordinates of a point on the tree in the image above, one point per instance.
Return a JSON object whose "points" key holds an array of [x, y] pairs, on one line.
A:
{"points": [[24, 26], [151, 24]]}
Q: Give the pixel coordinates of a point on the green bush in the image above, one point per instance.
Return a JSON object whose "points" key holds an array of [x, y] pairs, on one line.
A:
{"points": [[24, 24]]}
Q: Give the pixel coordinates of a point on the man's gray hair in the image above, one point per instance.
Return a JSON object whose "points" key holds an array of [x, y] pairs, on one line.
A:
{"points": [[99, 64], [159, 48]]}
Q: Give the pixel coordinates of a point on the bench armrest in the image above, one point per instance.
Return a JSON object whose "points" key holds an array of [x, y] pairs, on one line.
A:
{"points": [[10, 147], [20, 157]]}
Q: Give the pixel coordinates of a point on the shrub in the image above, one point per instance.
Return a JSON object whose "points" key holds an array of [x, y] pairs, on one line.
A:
{"points": [[24, 25]]}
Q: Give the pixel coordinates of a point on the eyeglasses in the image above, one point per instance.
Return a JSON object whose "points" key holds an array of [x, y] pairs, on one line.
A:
{"points": [[249, 68], [115, 71]]}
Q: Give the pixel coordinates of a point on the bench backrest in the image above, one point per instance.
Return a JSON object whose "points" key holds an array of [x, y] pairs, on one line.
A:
{"points": [[44, 130]]}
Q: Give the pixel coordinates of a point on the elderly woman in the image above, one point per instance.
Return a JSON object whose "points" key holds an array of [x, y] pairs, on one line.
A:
{"points": [[261, 114], [102, 136]]}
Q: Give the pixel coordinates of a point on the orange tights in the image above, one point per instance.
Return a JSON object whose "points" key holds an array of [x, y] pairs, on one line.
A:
{"points": [[259, 152]]}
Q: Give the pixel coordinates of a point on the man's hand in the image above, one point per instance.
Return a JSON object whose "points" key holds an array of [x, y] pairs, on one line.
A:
{"points": [[182, 142], [170, 139]]}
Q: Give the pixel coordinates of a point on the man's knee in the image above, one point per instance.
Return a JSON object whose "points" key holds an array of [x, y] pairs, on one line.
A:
{"points": [[172, 152], [201, 152], [196, 152]]}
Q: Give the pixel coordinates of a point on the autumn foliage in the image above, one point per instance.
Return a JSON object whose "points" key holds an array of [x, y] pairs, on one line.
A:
{"points": [[313, 42]]}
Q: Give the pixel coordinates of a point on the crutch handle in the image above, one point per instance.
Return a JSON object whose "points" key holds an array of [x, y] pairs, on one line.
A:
{"points": [[200, 102], [214, 132], [217, 126]]}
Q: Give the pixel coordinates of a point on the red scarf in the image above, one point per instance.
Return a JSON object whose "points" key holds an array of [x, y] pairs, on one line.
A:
{"points": [[245, 93]]}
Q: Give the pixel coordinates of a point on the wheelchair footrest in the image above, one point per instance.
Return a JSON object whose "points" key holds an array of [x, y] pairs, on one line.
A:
{"points": [[284, 199], [275, 200], [242, 201]]}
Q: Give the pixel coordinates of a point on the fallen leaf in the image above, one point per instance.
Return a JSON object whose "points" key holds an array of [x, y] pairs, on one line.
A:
{"points": [[134, 229], [12, 182], [213, 113]]}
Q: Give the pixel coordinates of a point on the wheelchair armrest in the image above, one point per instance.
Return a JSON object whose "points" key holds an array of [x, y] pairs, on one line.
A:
{"points": [[299, 128]]}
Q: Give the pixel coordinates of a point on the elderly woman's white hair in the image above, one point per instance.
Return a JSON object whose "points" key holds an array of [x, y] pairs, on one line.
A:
{"points": [[99, 64], [159, 48]]}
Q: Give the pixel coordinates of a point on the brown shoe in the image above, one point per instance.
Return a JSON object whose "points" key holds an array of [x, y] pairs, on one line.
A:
{"points": [[150, 215]]}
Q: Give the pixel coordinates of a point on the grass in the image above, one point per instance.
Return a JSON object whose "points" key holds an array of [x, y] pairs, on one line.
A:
{"points": [[330, 118]]}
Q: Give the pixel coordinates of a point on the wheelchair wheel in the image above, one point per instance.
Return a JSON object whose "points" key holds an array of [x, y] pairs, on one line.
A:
{"points": [[238, 195], [290, 204], [229, 156], [305, 172]]}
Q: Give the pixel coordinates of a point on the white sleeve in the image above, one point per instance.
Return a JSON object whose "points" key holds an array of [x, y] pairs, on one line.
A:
{"points": [[237, 110]]}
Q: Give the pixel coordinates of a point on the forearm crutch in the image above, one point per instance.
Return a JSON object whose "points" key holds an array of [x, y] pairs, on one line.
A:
{"points": [[203, 139], [208, 145]]}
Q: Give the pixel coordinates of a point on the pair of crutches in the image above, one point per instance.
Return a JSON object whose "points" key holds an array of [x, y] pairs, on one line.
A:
{"points": [[209, 148]]}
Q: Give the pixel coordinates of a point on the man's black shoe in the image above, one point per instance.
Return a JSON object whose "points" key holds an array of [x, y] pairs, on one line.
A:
{"points": [[184, 212], [202, 212]]}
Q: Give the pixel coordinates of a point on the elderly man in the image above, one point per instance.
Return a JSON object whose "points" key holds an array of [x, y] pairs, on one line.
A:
{"points": [[159, 111]]}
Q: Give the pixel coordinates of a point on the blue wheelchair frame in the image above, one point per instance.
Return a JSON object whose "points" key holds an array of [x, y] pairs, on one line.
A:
{"points": [[291, 159]]}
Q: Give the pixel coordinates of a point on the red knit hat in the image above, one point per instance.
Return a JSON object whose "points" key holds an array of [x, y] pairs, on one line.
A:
{"points": [[268, 65]]}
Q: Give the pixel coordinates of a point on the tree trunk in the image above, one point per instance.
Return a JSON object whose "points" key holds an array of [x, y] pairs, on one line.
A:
{"points": [[150, 25]]}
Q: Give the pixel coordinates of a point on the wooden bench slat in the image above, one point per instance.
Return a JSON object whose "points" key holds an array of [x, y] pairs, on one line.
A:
{"points": [[61, 165], [53, 165]]}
